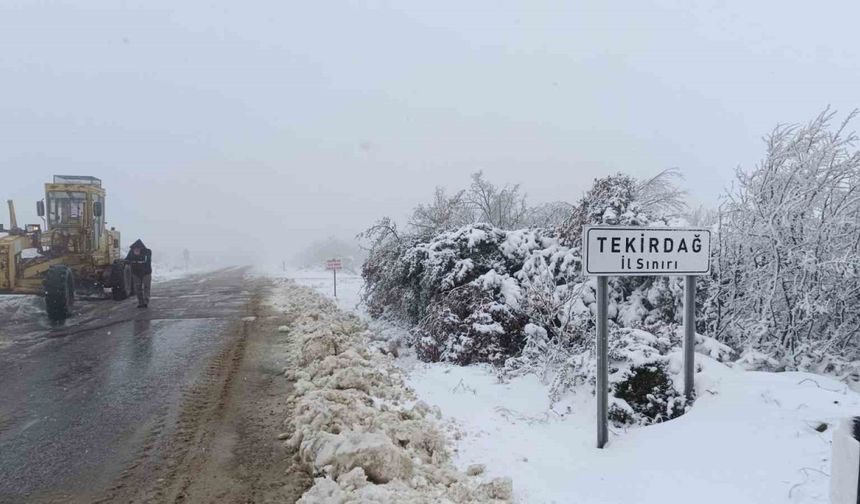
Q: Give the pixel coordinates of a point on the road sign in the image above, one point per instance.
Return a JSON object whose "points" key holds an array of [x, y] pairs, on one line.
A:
{"points": [[645, 251], [333, 265], [642, 251]]}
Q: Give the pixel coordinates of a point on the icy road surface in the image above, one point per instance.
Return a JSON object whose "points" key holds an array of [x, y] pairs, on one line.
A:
{"points": [[83, 405]]}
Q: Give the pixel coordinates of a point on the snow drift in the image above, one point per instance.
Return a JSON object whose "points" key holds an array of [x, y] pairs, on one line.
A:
{"points": [[356, 426]]}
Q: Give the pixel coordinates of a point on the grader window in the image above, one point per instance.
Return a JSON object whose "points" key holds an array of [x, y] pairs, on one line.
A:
{"points": [[66, 208]]}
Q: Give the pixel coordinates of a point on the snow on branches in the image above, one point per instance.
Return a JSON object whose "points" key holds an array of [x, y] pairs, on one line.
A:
{"points": [[787, 271]]}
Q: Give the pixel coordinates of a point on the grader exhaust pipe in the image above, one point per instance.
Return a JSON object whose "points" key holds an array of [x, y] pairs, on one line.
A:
{"points": [[13, 220]]}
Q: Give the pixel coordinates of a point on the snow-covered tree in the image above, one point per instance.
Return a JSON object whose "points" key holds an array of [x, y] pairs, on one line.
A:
{"points": [[502, 207], [442, 214], [661, 194], [483, 201], [548, 215], [787, 272]]}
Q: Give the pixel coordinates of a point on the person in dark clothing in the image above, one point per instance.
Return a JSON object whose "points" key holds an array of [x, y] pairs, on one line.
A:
{"points": [[140, 259]]}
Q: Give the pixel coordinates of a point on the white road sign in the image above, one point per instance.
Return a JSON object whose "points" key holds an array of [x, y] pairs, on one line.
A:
{"points": [[641, 251]]}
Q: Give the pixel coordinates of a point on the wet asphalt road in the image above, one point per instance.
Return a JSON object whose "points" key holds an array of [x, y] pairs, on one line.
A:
{"points": [[78, 402]]}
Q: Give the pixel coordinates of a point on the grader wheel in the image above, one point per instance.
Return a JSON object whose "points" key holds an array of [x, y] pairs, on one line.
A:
{"points": [[121, 285], [59, 292]]}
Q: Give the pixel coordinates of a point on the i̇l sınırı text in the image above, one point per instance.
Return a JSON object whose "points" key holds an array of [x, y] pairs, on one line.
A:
{"points": [[641, 245]]}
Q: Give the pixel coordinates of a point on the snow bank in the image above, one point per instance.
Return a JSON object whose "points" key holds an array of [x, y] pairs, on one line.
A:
{"points": [[356, 425]]}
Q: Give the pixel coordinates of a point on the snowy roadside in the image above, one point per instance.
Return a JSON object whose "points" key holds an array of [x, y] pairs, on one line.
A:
{"points": [[751, 437], [348, 286], [355, 425]]}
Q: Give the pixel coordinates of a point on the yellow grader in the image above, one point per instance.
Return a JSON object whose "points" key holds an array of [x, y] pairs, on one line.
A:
{"points": [[75, 253]]}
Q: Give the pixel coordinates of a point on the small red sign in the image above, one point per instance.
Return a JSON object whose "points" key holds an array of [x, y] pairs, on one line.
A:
{"points": [[333, 264]]}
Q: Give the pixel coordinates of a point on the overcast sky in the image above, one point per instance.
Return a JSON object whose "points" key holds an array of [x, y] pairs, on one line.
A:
{"points": [[246, 129]]}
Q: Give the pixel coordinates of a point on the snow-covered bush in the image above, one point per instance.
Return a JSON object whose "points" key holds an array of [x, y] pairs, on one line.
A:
{"points": [[469, 325], [463, 290], [387, 281], [646, 395], [787, 271], [641, 386], [403, 276], [639, 377]]}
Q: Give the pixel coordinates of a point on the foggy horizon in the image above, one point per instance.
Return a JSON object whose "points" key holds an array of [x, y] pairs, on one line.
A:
{"points": [[246, 134]]}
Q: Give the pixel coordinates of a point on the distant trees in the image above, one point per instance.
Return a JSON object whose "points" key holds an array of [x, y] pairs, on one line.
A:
{"points": [[503, 207]]}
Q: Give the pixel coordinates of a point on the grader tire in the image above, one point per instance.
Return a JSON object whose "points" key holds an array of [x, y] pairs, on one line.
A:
{"points": [[59, 292], [121, 285]]}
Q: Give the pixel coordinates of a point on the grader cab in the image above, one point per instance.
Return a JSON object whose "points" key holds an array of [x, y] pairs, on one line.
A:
{"points": [[74, 253]]}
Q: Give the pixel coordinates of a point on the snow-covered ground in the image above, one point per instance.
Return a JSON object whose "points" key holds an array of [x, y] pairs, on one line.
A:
{"points": [[751, 437]]}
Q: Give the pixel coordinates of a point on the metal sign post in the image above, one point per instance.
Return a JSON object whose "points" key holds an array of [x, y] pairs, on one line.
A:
{"points": [[642, 251], [689, 334], [334, 265], [602, 361]]}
